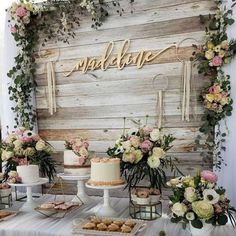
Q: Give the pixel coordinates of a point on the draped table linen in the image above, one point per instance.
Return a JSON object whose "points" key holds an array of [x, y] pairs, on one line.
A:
{"points": [[35, 224]]}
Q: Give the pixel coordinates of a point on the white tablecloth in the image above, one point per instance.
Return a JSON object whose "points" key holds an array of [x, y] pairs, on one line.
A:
{"points": [[35, 224]]}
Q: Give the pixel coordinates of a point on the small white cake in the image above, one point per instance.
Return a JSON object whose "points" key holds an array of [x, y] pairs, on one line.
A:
{"points": [[28, 173], [72, 166], [105, 172]]}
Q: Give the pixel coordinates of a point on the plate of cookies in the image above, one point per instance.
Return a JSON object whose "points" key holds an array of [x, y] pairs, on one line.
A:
{"points": [[108, 226], [5, 215], [57, 208]]}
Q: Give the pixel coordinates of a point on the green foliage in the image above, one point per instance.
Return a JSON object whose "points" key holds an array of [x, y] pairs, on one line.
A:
{"points": [[197, 223], [216, 35], [52, 20]]}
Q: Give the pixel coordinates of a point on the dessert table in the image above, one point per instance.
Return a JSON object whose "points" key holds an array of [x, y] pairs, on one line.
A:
{"points": [[35, 224]]}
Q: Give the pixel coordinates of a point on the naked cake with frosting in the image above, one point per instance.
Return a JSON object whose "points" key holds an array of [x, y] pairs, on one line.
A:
{"points": [[105, 172]]}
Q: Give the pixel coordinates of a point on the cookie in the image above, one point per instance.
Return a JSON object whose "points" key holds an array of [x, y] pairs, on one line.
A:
{"points": [[126, 229], [130, 223], [106, 221], [142, 194], [118, 222], [102, 226], [89, 225], [113, 227], [95, 220]]}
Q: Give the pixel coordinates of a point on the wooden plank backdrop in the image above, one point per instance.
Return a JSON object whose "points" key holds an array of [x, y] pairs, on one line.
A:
{"points": [[93, 105]]}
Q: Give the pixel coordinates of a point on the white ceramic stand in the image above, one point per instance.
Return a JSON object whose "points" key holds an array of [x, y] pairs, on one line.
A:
{"points": [[106, 209], [30, 204], [81, 194]]}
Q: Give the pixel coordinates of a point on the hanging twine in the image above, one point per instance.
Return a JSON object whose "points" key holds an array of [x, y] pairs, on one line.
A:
{"points": [[159, 103], [186, 83], [51, 83]]}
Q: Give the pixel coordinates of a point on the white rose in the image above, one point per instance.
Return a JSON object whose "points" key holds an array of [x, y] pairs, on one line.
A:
{"points": [[40, 145], [158, 152], [179, 209], [190, 194], [1, 176], [6, 155], [83, 152], [135, 141], [138, 155], [10, 138], [126, 145], [128, 157], [18, 144], [209, 54], [155, 135], [13, 174], [153, 161], [29, 151]]}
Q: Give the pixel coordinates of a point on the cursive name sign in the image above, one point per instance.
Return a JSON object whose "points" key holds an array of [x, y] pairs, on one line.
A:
{"points": [[120, 60]]}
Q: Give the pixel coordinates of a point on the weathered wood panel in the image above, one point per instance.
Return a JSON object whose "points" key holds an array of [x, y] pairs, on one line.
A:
{"points": [[93, 105]]}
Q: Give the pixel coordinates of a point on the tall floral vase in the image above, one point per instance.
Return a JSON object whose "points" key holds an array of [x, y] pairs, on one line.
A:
{"points": [[204, 231]]}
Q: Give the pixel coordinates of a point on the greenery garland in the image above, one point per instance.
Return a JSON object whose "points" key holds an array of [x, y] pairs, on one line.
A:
{"points": [[216, 52], [54, 19]]}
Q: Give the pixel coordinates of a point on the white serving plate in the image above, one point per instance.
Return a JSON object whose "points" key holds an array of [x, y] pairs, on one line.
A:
{"points": [[79, 223]]}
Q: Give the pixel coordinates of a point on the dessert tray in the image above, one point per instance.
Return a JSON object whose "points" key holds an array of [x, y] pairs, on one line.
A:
{"points": [[57, 209], [108, 226], [5, 215]]}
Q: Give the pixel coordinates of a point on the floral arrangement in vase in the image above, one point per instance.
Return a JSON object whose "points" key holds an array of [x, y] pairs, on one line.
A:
{"points": [[79, 147], [143, 152], [24, 147], [199, 201]]}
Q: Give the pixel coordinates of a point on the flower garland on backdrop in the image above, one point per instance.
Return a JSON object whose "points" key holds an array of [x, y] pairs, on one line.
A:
{"points": [[28, 22], [216, 52]]}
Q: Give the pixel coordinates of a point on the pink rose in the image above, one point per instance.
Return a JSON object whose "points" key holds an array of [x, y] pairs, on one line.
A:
{"points": [[81, 160], [13, 29], [22, 162], [21, 12], [26, 139], [218, 209], [209, 176], [147, 130], [146, 146], [217, 61], [75, 148]]}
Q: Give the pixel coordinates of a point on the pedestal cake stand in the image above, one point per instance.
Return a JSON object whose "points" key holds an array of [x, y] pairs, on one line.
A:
{"points": [[106, 209], [30, 204], [81, 194]]}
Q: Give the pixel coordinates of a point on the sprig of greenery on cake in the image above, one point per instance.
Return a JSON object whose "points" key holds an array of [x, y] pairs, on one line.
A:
{"points": [[24, 147], [143, 152]]}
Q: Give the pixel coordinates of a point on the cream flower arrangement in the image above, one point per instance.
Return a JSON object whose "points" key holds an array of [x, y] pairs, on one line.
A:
{"points": [[198, 199], [24, 146], [143, 152]]}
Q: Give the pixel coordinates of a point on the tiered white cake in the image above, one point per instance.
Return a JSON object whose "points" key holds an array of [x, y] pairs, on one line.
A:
{"points": [[105, 172], [72, 166], [28, 173]]}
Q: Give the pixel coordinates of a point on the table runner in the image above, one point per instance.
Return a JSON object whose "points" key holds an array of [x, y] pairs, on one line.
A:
{"points": [[35, 224]]}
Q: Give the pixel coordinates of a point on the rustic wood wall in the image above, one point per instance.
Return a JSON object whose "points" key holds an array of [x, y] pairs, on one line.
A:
{"points": [[93, 105]]}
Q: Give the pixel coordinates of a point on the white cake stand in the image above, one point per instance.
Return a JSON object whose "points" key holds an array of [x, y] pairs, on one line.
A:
{"points": [[106, 209], [30, 204], [81, 194]]}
